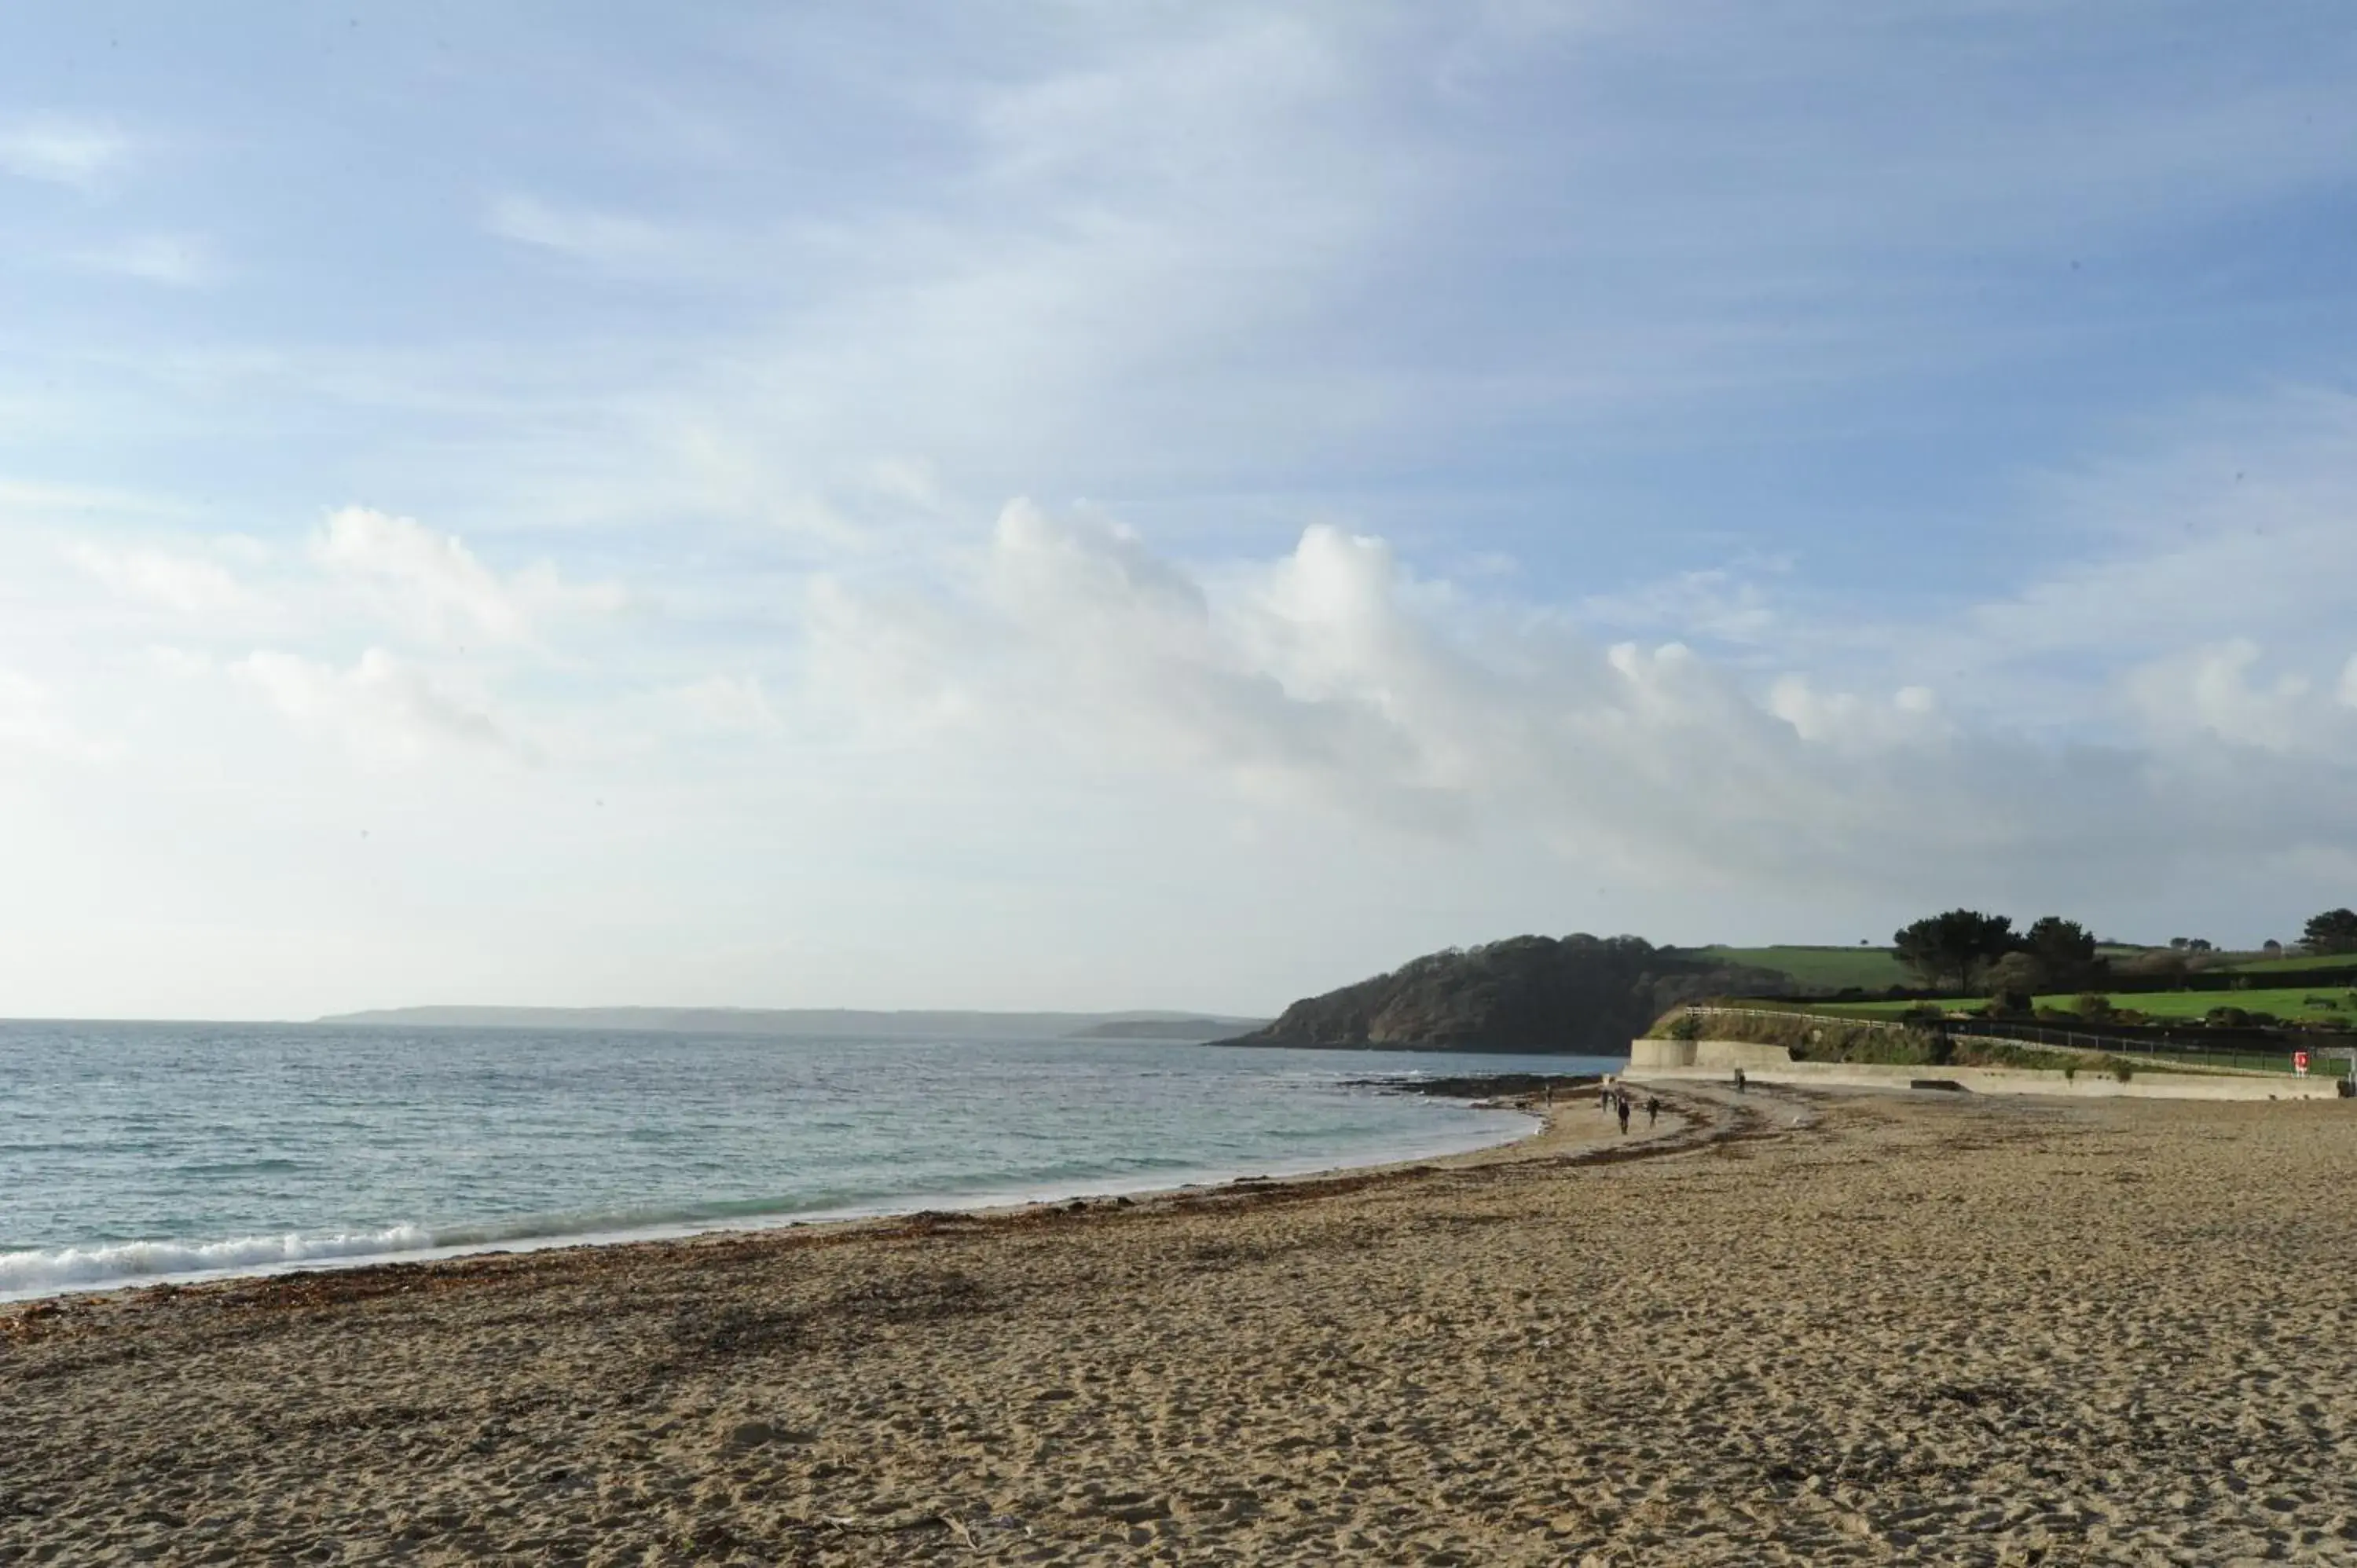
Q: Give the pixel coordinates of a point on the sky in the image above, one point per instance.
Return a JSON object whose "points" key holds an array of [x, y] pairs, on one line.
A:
{"points": [[1139, 504]]}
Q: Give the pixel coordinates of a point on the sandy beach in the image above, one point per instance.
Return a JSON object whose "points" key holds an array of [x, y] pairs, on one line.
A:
{"points": [[1789, 1328]]}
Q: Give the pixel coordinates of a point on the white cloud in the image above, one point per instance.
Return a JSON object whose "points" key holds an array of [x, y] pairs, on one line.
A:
{"points": [[1192, 102], [727, 703], [187, 585], [1727, 605], [63, 152], [913, 480], [176, 261], [384, 708], [28, 501], [1289, 695], [607, 240], [2216, 693], [180, 664], [1846, 719], [1326, 681], [32, 719], [433, 585], [1464, 280]]}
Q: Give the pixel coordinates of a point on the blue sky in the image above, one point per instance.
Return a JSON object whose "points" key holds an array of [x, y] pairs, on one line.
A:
{"points": [[1122, 505]]}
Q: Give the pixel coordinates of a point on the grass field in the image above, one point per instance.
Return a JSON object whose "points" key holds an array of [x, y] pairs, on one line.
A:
{"points": [[2294, 965], [2161, 1060], [1823, 969], [1875, 969], [2290, 1004], [2273, 1061]]}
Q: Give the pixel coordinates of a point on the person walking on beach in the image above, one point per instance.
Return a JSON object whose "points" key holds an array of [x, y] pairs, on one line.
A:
{"points": [[1653, 1109], [1739, 1081], [1624, 1112]]}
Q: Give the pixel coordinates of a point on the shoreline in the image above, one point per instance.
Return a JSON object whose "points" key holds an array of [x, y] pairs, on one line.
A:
{"points": [[984, 1203], [1797, 1328], [1559, 1136]]}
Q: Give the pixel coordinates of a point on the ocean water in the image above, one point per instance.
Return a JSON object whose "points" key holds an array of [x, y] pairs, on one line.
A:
{"points": [[132, 1152]]}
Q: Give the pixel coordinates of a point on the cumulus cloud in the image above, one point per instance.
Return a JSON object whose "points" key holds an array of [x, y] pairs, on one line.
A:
{"points": [[1844, 718], [1310, 680], [1283, 694], [1330, 680], [383, 707], [2221, 692], [434, 585]]}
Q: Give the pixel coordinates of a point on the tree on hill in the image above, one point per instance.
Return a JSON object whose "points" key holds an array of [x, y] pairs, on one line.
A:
{"points": [[2014, 982], [2160, 964], [2335, 930], [1954, 949], [2063, 950]]}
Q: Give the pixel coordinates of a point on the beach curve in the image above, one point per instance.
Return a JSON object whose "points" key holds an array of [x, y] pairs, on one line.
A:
{"points": [[1903, 1328]]}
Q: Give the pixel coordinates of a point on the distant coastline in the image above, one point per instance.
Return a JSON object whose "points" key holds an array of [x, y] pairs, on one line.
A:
{"points": [[820, 1023]]}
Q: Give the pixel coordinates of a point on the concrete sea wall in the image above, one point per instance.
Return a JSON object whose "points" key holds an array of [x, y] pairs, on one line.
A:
{"points": [[1722, 1054], [1715, 1061]]}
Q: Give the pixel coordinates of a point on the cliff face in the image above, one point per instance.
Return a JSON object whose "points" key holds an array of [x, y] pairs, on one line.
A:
{"points": [[1578, 994]]}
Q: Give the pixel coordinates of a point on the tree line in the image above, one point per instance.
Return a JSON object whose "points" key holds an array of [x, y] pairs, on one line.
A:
{"points": [[1973, 954]]}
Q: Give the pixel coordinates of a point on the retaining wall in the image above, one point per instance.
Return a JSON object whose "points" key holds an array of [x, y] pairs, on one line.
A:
{"points": [[1647, 1066], [1726, 1054]]}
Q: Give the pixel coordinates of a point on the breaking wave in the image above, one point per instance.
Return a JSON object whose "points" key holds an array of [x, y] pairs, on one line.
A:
{"points": [[66, 1268], [113, 1264]]}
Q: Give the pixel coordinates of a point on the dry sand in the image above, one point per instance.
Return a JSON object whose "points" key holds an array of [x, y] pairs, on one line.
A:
{"points": [[1817, 1330]]}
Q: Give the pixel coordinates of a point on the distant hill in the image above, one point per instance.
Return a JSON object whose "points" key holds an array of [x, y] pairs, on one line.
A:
{"points": [[1180, 1030], [1576, 993], [829, 1023]]}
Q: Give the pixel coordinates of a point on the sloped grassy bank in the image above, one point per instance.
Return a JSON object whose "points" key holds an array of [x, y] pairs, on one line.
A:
{"points": [[1814, 1037]]}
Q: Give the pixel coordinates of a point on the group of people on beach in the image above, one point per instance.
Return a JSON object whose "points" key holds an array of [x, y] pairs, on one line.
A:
{"points": [[1613, 1099]]}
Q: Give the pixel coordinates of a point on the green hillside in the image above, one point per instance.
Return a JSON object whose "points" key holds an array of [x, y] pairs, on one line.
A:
{"points": [[1821, 968]]}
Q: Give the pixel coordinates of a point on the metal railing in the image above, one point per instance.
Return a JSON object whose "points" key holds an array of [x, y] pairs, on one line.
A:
{"points": [[2322, 1060], [1840, 1018], [2335, 1061]]}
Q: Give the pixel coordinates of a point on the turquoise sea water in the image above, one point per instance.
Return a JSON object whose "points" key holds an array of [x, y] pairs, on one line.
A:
{"points": [[136, 1152]]}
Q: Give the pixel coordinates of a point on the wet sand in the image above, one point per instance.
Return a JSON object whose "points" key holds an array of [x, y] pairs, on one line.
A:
{"points": [[1795, 1329]]}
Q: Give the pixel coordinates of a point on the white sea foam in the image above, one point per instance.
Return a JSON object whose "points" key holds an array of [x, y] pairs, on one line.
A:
{"points": [[66, 1268]]}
